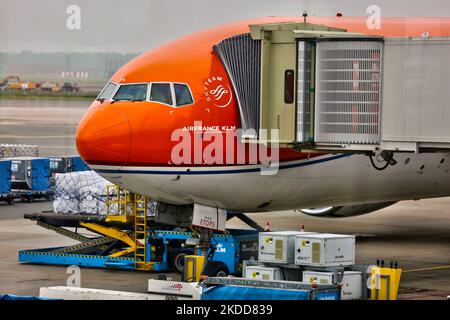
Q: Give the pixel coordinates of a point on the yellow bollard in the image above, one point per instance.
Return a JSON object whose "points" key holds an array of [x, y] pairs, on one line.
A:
{"points": [[384, 283], [193, 267]]}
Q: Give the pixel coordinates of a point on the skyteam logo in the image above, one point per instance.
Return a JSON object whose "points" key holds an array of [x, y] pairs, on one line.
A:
{"points": [[218, 92]]}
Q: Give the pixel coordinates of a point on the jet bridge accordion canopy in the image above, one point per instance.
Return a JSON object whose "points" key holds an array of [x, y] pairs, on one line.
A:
{"points": [[240, 56]]}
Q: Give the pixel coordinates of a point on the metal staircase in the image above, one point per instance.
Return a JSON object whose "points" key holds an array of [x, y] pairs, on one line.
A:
{"points": [[127, 207]]}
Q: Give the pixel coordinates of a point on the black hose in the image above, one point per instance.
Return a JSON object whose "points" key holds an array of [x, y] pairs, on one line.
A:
{"points": [[282, 272], [380, 168]]}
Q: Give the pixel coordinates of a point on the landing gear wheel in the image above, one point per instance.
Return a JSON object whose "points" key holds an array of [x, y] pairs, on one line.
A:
{"points": [[216, 269], [11, 201]]}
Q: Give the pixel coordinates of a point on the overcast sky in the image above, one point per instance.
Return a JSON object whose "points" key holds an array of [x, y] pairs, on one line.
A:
{"points": [[138, 25]]}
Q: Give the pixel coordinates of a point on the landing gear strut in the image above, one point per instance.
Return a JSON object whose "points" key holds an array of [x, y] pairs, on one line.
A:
{"points": [[204, 243], [205, 249]]}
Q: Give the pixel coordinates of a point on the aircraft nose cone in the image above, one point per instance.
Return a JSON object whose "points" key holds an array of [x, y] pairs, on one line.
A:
{"points": [[103, 137]]}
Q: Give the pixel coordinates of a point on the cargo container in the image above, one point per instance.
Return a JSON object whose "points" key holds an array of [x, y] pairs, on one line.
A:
{"points": [[325, 250], [30, 174], [351, 282], [18, 150], [249, 289], [65, 165], [78, 164], [278, 247], [30, 178], [271, 273], [5, 182]]}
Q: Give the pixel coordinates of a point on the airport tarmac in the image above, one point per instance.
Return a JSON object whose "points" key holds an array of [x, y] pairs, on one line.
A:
{"points": [[51, 124], [414, 233]]}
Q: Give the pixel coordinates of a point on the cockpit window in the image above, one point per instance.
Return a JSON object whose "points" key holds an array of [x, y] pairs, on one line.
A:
{"points": [[107, 91], [182, 94], [161, 93], [131, 92]]}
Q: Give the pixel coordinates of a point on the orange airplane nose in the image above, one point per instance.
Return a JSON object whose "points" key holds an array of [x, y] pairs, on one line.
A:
{"points": [[104, 137]]}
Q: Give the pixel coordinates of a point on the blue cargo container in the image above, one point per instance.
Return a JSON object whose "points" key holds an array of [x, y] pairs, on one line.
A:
{"points": [[79, 165], [5, 176], [58, 165], [30, 174], [4, 297], [249, 289], [5, 182], [252, 293], [65, 165]]}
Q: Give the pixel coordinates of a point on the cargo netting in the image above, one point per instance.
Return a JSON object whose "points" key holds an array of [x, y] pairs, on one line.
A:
{"points": [[85, 192], [18, 150]]}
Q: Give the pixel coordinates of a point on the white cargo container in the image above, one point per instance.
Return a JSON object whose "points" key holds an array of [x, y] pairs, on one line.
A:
{"points": [[351, 282], [278, 247], [263, 273], [173, 290], [271, 273], [324, 250]]}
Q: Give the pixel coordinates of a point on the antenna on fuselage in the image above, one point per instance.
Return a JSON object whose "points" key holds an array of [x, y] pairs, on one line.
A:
{"points": [[305, 15]]}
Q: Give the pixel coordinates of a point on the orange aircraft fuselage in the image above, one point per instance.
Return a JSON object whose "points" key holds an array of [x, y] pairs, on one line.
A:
{"points": [[127, 134], [139, 133]]}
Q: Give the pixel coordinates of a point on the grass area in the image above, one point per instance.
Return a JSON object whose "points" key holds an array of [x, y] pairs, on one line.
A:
{"points": [[34, 95]]}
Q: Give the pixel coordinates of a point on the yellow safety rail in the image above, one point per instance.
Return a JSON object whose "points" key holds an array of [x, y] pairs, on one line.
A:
{"points": [[119, 204]]}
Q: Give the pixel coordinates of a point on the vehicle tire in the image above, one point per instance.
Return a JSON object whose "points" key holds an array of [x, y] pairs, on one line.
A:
{"points": [[11, 201], [216, 269], [178, 261], [27, 199]]}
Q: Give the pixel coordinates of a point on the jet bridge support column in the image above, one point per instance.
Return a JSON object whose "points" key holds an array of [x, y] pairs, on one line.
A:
{"points": [[204, 243]]}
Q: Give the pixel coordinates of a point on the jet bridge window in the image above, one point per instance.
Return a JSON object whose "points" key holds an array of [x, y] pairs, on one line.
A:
{"points": [[161, 92], [14, 167], [107, 91], [131, 92], [182, 94], [289, 78]]}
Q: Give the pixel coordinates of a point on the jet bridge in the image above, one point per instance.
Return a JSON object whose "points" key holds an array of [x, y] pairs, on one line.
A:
{"points": [[327, 89]]}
